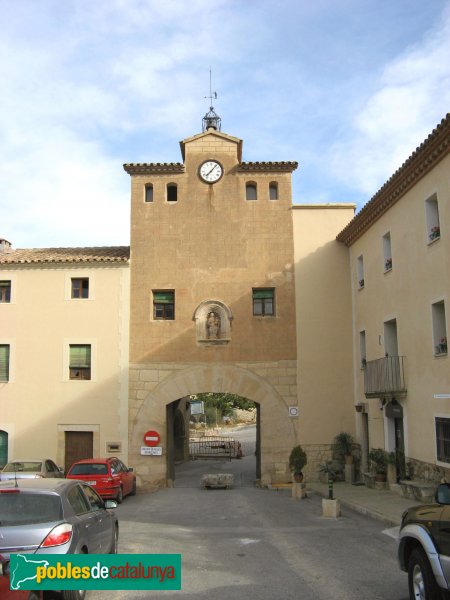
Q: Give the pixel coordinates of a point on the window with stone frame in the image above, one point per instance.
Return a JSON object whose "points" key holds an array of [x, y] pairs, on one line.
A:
{"points": [[263, 302], [164, 305]]}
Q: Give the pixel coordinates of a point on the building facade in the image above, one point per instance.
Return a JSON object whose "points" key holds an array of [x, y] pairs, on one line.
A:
{"points": [[399, 251], [328, 321], [64, 318]]}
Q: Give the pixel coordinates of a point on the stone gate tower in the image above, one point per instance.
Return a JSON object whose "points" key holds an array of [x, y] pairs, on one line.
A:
{"points": [[212, 295]]}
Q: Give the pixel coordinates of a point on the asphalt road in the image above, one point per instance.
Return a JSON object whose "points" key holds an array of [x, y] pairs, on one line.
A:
{"points": [[257, 543]]}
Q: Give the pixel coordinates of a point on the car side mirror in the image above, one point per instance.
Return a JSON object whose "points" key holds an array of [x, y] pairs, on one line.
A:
{"points": [[110, 504], [443, 494]]}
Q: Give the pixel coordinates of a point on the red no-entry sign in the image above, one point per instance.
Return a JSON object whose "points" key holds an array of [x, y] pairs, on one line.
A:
{"points": [[152, 438]]}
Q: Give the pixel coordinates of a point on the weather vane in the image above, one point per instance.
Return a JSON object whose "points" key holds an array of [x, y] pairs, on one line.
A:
{"points": [[211, 120]]}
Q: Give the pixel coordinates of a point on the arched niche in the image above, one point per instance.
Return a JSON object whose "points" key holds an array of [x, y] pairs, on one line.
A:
{"points": [[213, 323]]}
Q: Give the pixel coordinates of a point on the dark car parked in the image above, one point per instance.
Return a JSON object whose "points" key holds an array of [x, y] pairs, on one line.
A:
{"points": [[55, 516], [109, 476], [424, 547]]}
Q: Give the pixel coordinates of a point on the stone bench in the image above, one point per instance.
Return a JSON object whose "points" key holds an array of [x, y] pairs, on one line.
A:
{"points": [[217, 481], [419, 489]]}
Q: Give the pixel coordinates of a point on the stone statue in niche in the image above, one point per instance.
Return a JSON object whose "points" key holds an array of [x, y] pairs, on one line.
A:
{"points": [[213, 326]]}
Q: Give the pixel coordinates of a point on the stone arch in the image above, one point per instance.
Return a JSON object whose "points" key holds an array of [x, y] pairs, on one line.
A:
{"points": [[278, 432]]}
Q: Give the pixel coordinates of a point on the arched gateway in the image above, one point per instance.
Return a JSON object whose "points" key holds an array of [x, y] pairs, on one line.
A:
{"points": [[277, 429]]}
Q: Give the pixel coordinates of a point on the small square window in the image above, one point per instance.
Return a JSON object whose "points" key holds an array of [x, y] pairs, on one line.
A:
{"points": [[80, 287], [263, 302], [80, 361], [164, 305]]}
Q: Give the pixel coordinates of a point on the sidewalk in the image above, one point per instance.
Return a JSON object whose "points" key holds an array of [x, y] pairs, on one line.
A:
{"points": [[384, 505]]}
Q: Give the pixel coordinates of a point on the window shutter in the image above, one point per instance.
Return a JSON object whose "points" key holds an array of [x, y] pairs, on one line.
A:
{"points": [[163, 297], [262, 294], [80, 356], [4, 362]]}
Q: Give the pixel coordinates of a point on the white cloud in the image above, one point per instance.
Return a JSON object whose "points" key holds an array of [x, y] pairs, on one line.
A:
{"points": [[413, 95]]}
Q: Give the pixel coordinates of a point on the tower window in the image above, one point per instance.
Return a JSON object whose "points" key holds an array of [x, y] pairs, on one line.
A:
{"points": [[164, 305], [273, 190], [149, 192], [263, 302], [172, 192], [250, 191]]}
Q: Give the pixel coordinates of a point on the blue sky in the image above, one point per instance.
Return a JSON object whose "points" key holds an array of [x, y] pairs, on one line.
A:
{"points": [[348, 88]]}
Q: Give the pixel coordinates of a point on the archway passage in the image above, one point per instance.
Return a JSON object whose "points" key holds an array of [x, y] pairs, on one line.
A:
{"points": [[277, 429], [213, 433]]}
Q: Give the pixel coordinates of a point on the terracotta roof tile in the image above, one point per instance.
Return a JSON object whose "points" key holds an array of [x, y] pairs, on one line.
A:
{"points": [[288, 166], [65, 255]]}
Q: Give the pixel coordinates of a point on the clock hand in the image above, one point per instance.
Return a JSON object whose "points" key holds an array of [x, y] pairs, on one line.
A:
{"points": [[210, 171]]}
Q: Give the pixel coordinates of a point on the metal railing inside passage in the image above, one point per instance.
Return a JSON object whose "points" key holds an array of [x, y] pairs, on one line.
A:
{"points": [[214, 447]]}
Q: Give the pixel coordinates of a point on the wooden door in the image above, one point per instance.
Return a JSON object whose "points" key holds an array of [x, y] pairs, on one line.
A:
{"points": [[79, 445]]}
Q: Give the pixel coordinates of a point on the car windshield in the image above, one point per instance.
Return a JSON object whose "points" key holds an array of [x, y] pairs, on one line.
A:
{"points": [[20, 508], [89, 469], [23, 467]]}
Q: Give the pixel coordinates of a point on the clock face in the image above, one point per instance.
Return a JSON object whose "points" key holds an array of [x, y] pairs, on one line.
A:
{"points": [[210, 171]]}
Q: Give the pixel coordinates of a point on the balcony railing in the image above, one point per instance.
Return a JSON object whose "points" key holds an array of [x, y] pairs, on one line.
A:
{"points": [[385, 377]]}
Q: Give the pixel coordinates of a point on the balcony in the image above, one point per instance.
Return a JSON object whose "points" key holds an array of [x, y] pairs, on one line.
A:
{"points": [[385, 377]]}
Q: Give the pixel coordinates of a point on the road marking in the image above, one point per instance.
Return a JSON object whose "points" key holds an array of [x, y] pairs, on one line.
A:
{"points": [[392, 532]]}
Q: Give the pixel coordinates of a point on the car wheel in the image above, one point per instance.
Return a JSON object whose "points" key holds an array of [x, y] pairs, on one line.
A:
{"points": [[133, 489], [119, 497], [115, 541], [422, 584]]}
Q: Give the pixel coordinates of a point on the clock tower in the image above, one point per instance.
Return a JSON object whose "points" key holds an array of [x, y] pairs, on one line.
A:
{"points": [[212, 295]]}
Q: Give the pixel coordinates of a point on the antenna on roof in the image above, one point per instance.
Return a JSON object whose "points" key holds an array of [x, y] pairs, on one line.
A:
{"points": [[211, 120]]}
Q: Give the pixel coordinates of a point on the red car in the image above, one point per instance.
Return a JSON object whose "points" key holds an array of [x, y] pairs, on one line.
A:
{"points": [[108, 476], [6, 593]]}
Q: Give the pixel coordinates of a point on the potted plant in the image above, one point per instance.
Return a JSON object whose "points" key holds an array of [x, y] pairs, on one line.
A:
{"points": [[343, 444], [297, 461], [388, 264], [379, 461]]}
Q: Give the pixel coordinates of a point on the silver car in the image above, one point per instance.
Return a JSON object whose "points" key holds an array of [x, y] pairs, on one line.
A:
{"points": [[30, 469], [56, 516]]}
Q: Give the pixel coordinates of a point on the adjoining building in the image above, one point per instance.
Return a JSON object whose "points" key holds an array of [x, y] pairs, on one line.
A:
{"points": [[328, 322], [399, 249]]}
